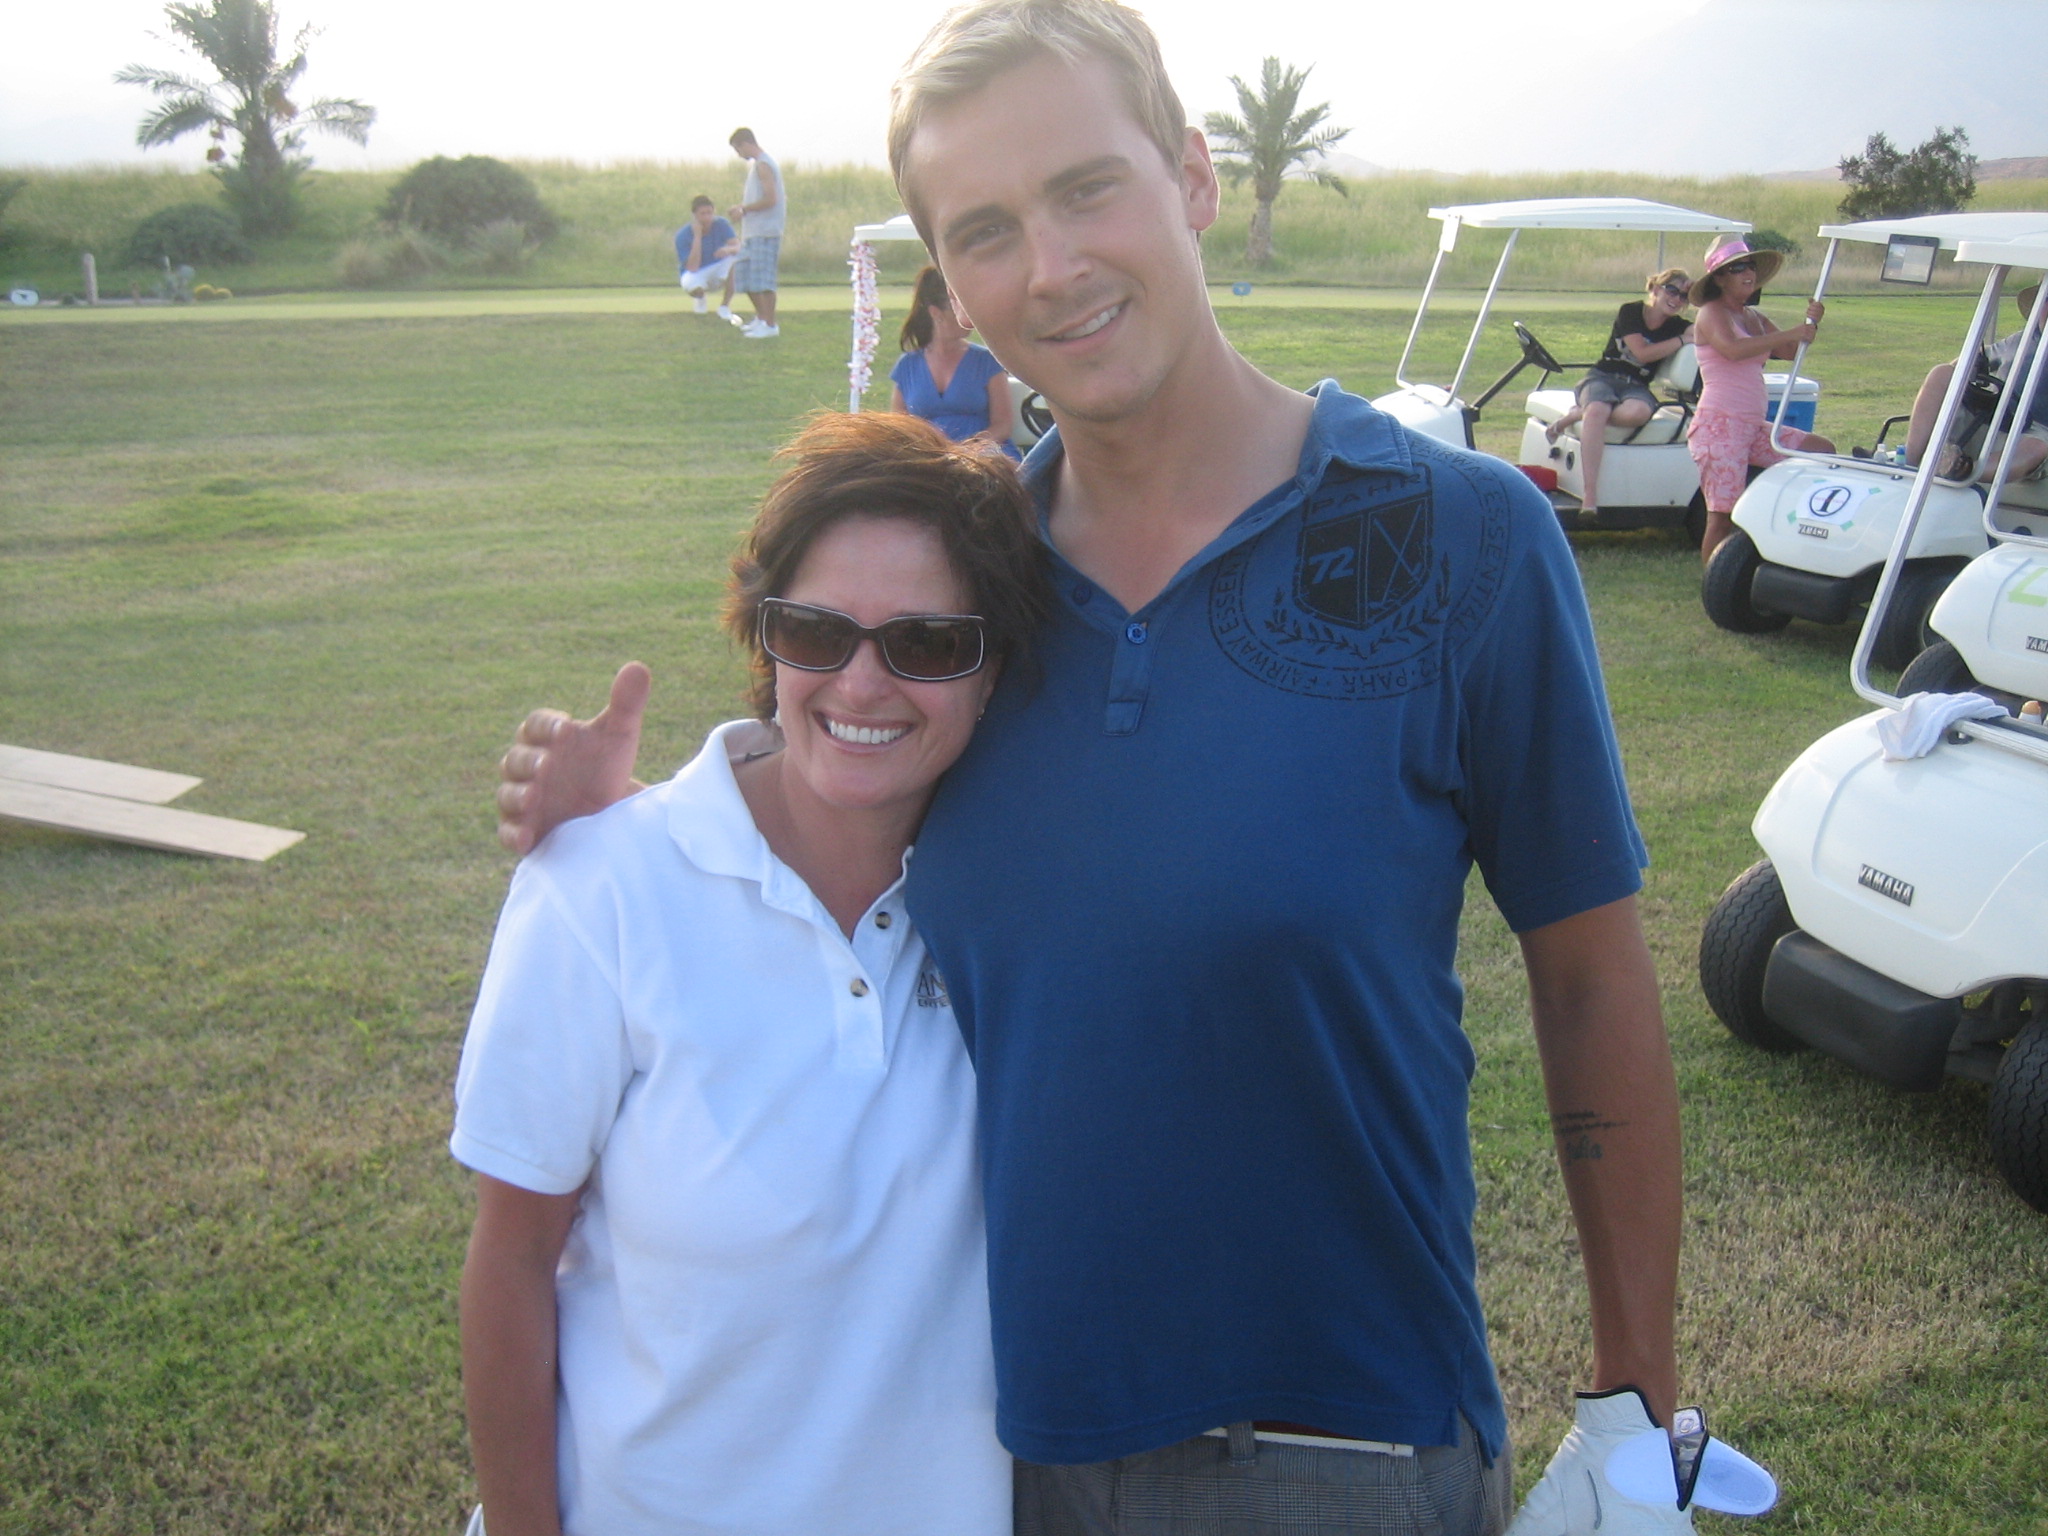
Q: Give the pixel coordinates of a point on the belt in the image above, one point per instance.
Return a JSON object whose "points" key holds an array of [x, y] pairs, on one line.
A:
{"points": [[1281, 1432]]}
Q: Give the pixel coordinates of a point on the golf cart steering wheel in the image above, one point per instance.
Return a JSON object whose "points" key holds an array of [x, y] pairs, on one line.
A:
{"points": [[1981, 394], [1036, 414], [1534, 352]]}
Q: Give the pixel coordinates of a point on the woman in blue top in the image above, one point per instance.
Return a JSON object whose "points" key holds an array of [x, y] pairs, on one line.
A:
{"points": [[955, 385]]}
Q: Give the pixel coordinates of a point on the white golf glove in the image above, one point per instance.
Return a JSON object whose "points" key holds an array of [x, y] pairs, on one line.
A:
{"points": [[1577, 1498]]}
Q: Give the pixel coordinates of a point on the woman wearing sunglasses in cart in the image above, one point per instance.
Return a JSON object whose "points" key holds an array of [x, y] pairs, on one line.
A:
{"points": [[727, 1270], [1729, 432]]}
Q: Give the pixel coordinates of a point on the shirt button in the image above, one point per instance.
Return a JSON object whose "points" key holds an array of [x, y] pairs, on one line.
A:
{"points": [[881, 919], [1135, 634], [1083, 592], [859, 987]]}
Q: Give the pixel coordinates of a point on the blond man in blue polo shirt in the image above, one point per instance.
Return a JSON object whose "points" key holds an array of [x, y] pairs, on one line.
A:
{"points": [[1195, 896]]}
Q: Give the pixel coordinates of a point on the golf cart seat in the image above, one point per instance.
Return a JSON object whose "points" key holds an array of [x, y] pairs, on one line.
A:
{"points": [[2021, 499], [1675, 382]]}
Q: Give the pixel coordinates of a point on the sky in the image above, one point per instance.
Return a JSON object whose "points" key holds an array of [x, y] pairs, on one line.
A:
{"points": [[1448, 85]]}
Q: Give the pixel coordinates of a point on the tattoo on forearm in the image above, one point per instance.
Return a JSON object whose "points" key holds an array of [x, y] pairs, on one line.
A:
{"points": [[1578, 1131]]}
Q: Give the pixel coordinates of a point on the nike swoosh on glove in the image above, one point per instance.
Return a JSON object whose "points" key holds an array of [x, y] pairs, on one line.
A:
{"points": [[1576, 1499]]}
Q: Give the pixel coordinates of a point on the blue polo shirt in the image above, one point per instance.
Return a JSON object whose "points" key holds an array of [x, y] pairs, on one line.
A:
{"points": [[715, 239], [1196, 896]]}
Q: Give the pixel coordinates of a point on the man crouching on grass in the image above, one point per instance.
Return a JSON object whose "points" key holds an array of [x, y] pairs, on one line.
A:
{"points": [[1196, 894]]}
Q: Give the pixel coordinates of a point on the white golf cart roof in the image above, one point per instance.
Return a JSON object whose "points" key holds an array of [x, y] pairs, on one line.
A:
{"points": [[1619, 213], [1951, 229], [898, 228], [1624, 215], [2006, 253]]}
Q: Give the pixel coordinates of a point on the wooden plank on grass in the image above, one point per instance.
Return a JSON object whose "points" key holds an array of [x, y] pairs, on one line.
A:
{"points": [[129, 821], [93, 776]]}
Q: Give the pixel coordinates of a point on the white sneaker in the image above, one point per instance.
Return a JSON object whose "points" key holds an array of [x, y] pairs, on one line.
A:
{"points": [[703, 304], [759, 332]]}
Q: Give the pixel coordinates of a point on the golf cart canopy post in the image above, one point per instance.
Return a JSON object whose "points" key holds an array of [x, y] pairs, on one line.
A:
{"points": [[867, 309], [2019, 393], [1947, 230], [2003, 258], [1628, 215]]}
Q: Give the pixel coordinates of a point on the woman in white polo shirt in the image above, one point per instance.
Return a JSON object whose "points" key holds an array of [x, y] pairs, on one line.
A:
{"points": [[727, 1270]]}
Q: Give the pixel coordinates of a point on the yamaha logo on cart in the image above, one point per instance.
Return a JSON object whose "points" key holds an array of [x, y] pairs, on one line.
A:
{"points": [[2038, 643], [1886, 885], [1813, 530]]}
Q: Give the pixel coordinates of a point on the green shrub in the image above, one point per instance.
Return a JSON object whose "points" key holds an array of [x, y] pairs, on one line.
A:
{"points": [[186, 232], [501, 246], [390, 256], [11, 187], [454, 199], [1772, 240]]}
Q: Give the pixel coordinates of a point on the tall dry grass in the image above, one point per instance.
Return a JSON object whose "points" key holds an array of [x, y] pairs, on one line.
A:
{"points": [[619, 219]]}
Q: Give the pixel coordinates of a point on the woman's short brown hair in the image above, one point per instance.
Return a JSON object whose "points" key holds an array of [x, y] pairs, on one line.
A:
{"points": [[883, 465]]}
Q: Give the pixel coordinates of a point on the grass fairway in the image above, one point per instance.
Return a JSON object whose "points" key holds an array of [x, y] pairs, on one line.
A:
{"points": [[327, 561]]}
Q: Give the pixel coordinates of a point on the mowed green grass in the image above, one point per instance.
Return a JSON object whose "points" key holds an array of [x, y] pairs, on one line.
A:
{"points": [[327, 563]]}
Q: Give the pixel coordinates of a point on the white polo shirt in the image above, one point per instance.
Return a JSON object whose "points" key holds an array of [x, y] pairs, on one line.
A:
{"points": [[773, 1304]]}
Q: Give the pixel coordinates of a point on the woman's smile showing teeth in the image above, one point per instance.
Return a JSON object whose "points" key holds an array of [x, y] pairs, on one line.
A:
{"points": [[864, 735]]}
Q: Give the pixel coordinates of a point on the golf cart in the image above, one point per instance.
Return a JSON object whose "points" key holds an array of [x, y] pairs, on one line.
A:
{"points": [[1811, 533], [1992, 622], [1899, 920], [1648, 478]]}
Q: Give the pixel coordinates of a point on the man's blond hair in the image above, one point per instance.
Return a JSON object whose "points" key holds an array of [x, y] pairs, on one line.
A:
{"points": [[973, 44]]}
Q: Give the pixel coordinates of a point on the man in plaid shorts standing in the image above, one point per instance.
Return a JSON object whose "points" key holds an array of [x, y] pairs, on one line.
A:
{"points": [[759, 213]]}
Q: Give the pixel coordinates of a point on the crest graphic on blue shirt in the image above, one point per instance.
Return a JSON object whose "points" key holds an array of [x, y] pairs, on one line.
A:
{"points": [[1361, 593]]}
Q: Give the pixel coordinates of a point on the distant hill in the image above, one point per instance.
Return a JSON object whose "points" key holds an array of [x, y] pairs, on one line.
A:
{"points": [[2011, 168]]}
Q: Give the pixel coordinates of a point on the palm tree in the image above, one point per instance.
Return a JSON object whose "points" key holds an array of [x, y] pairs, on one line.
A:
{"points": [[1269, 139], [251, 97]]}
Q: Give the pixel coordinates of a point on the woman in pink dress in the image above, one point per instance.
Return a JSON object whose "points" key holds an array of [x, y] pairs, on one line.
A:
{"points": [[1729, 431]]}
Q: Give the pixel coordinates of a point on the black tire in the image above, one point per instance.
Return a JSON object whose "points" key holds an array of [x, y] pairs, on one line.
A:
{"points": [[2017, 1126], [1735, 947], [1938, 669], [1724, 589], [1902, 632], [1696, 521]]}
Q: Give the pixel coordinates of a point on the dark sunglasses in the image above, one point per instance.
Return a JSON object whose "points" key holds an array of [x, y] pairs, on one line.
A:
{"points": [[1735, 266], [919, 647], [1676, 290]]}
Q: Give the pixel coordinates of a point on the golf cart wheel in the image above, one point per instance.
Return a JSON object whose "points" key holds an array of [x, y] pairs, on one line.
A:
{"points": [[2017, 1127], [1696, 520], [1938, 669], [1724, 589], [1902, 632], [1735, 947]]}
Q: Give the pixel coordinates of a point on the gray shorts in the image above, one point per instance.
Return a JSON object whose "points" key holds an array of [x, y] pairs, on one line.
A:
{"points": [[755, 270], [1598, 388], [1247, 1487]]}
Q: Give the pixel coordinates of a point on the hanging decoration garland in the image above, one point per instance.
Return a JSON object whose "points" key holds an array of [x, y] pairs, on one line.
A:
{"points": [[867, 321]]}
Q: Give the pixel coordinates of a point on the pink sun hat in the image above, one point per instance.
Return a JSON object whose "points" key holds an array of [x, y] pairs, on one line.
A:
{"points": [[1722, 252]]}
